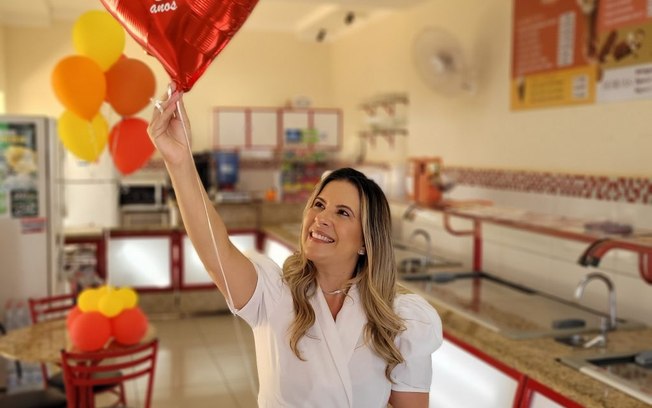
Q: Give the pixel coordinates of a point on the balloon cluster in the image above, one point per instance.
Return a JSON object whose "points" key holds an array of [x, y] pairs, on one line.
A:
{"points": [[99, 73], [106, 313], [185, 36]]}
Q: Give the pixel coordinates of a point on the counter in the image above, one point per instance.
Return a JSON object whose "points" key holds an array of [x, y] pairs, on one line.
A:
{"points": [[536, 358]]}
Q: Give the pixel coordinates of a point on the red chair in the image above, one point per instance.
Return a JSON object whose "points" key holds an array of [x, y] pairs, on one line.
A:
{"points": [[50, 308], [45, 309], [84, 371], [57, 307]]}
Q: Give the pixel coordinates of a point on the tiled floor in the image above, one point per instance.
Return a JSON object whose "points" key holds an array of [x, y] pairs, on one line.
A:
{"points": [[204, 361]]}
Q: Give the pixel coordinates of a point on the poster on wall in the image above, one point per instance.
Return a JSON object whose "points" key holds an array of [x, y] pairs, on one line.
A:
{"points": [[18, 171], [577, 52]]}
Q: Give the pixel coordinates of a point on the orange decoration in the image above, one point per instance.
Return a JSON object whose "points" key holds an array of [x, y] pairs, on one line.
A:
{"points": [[72, 315], [90, 331], [130, 145], [129, 327], [80, 85], [130, 84]]}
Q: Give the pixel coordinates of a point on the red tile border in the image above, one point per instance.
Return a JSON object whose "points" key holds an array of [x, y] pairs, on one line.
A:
{"points": [[623, 189]]}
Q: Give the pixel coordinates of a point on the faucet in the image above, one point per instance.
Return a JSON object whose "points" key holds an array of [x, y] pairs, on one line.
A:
{"points": [[594, 253], [408, 214], [605, 325], [420, 231]]}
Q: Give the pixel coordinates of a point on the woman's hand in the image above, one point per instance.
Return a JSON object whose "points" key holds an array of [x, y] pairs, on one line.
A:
{"points": [[166, 129]]}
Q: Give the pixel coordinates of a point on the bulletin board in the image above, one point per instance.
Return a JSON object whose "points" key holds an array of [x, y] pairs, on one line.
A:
{"points": [[578, 52]]}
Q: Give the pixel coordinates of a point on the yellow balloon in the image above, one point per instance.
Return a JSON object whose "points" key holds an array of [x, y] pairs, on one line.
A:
{"points": [[84, 139], [129, 297], [104, 289], [97, 35], [88, 300], [110, 304]]}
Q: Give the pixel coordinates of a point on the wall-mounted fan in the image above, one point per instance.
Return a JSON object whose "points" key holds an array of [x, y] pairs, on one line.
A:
{"points": [[440, 62]]}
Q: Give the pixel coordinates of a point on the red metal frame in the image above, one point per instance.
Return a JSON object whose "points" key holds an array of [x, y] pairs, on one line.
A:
{"points": [[599, 245], [476, 232], [507, 370], [532, 386]]}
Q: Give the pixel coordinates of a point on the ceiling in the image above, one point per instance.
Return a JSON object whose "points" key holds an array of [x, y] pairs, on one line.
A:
{"points": [[311, 20]]}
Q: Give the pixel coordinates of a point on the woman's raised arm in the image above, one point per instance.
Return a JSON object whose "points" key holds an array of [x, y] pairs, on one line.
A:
{"points": [[169, 130]]}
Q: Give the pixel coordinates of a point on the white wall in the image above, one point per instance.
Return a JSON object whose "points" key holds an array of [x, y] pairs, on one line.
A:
{"points": [[3, 92], [480, 130], [268, 68]]}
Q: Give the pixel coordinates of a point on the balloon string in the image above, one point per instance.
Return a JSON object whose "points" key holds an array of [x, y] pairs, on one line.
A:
{"points": [[238, 331], [210, 226], [107, 242], [95, 147]]}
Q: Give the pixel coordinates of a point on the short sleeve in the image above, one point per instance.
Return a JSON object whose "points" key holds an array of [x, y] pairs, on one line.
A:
{"points": [[423, 335], [268, 289]]}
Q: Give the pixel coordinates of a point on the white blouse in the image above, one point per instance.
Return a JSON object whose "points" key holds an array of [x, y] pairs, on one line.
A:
{"points": [[340, 370]]}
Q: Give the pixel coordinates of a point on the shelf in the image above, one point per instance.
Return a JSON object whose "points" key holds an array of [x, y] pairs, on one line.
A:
{"points": [[385, 101], [388, 126], [556, 225]]}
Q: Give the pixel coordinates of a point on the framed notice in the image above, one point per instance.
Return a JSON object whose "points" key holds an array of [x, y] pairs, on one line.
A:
{"points": [[569, 52]]}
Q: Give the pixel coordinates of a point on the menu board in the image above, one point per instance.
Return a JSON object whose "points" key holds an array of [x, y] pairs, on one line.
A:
{"points": [[570, 52]]}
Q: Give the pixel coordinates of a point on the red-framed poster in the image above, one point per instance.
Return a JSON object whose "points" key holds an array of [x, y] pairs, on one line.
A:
{"points": [[570, 52]]}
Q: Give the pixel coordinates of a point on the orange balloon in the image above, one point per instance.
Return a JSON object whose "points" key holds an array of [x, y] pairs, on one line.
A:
{"points": [[130, 84], [129, 327], [90, 331], [129, 145], [80, 85], [73, 314]]}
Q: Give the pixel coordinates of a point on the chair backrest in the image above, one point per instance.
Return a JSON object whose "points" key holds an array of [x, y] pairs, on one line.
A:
{"points": [[51, 307], [83, 371]]}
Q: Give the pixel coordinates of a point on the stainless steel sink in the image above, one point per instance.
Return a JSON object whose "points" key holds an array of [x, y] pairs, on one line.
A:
{"points": [[510, 309], [415, 261], [630, 372]]}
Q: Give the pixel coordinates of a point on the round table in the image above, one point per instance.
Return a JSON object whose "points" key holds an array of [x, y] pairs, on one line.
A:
{"points": [[42, 342]]}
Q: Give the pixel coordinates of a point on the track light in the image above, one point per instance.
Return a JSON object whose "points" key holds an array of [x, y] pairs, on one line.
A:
{"points": [[321, 35], [349, 18]]}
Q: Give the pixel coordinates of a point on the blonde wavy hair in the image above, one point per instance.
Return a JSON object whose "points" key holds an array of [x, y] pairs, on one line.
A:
{"points": [[375, 273]]}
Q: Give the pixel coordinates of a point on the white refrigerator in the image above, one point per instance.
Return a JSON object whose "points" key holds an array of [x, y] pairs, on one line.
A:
{"points": [[31, 235]]}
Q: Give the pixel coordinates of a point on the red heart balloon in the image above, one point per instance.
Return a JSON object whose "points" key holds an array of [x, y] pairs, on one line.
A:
{"points": [[184, 35]]}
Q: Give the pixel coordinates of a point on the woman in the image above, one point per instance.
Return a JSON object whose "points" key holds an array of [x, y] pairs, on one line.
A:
{"points": [[330, 328]]}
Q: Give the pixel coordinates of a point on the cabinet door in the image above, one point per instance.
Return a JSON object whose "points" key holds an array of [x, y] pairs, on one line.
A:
{"points": [[537, 395], [541, 401], [264, 128], [277, 251], [230, 128], [328, 126], [140, 262], [193, 271], [294, 123], [461, 379]]}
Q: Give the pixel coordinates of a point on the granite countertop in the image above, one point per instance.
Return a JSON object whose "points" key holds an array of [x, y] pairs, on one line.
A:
{"points": [[536, 357]]}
